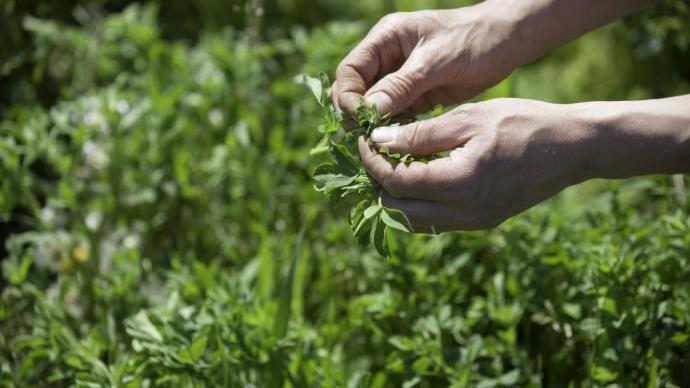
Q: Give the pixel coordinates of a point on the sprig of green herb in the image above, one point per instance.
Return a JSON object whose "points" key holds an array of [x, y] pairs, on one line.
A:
{"points": [[345, 177]]}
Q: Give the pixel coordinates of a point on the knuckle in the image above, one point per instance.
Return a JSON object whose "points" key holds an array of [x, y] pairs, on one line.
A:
{"points": [[340, 69], [368, 54], [500, 100], [424, 69], [465, 111], [400, 83], [410, 135], [463, 118], [506, 100], [344, 103], [343, 67], [355, 62], [392, 19], [500, 103]]}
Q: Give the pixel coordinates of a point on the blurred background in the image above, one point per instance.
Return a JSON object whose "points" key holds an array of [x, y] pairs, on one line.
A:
{"points": [[158, 224]]}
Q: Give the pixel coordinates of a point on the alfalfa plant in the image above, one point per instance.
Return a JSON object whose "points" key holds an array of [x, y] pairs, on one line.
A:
{"points": [[344, 176]]}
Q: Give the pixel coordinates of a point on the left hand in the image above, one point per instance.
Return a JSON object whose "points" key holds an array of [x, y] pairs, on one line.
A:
{"points": [[506, 155]]}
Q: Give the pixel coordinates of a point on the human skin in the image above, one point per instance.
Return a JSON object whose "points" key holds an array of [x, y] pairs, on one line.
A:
{"points": [[413, 61], [506, 155]]}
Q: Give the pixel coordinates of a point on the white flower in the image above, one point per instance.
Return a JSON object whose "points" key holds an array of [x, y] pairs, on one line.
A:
{"points": [[93, 117], [131, 241], [48, 215], [215, 116], [93, 220], [94, 155], [122, 107]]}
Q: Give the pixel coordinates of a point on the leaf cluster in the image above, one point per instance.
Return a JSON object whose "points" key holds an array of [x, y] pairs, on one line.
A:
{"points": [[344, 175], [160, 227]]}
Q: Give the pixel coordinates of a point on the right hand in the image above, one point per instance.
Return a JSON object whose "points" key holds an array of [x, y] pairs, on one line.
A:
{"points": [[411, 62]]}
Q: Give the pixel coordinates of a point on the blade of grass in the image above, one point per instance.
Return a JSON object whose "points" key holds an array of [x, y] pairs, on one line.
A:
{"points": [[283, 316], [280, 324]]}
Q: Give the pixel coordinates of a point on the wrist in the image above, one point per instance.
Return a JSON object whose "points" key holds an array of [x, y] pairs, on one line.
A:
{"points": [[503, 26], [632, 138], [539, 26], [492, 41], [511, 17]]}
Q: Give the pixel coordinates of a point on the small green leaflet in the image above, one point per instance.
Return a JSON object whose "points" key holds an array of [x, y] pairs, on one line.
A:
{"points": [[369, 118], [344, 176], [378, 236], [140, 327], [319, 86], [396, 219]]}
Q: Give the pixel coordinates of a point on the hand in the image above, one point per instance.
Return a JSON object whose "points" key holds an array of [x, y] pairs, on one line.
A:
{"points": [[506, 155], [415, 61]]}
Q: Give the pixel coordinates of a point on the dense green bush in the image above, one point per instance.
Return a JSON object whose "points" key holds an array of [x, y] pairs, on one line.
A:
{"points": [[160, 226]]}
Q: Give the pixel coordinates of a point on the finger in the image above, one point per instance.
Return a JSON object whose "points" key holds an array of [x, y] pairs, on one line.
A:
{"points": [[409, 180], [347, 123], [422, 214], [425, 137], [357, 70], [378, 53], [435, 217], [333, 94], [397, 91]]}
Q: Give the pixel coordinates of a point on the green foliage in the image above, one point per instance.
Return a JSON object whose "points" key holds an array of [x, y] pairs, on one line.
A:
{"points": [[153, 194], [345, 177]]}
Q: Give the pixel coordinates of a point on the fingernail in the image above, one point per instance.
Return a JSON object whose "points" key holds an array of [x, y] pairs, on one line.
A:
{"points": [[383, 102], [383, 135]]}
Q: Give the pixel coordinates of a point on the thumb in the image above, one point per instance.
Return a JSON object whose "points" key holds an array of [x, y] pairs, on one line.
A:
{"points": [[397, 91], [424, 137]]}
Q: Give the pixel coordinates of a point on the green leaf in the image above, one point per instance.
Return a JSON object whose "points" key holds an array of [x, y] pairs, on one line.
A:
{"points": [[280, 324], [331, 122], [321, 147], [140, 327], [357, 211], [509, 379], [198, 347], [329, 177], [601, 373], [364, 237], [342, 158], [363, 227], [378, 237], [401, 343], [411, 382], [573, 310], [316, 85], [372, 211], [396, 219], [16, 270], [438, 110]]}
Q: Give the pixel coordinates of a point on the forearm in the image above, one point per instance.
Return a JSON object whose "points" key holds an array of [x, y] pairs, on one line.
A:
{"points": [[539, 26], [631, 138]]}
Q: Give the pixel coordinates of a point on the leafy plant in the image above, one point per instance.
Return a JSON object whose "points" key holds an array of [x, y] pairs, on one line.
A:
{"points": [[344, 177], [157, 219]]}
